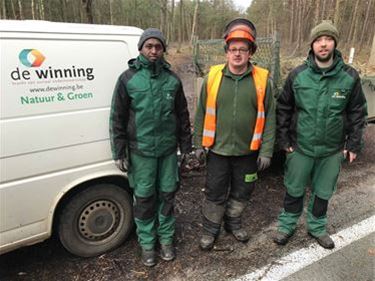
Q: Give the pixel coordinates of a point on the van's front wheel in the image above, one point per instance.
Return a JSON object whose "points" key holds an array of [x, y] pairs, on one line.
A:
{"points": [[96, 220]]}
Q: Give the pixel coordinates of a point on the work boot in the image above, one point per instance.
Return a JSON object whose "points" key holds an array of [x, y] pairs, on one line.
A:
{"points": [[148, 257], [325, 241], [207, 241], [281, 238], [167, 252], [240, 234]]}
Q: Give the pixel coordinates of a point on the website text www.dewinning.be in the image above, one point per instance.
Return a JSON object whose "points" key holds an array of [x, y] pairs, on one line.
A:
{"points": [[51, 94]]}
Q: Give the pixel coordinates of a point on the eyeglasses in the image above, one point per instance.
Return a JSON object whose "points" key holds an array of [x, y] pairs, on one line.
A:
{"points": [[158, 47], [240, 50]]}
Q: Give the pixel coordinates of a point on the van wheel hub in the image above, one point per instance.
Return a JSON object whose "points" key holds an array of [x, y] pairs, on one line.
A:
{"points": [[99, 220]]}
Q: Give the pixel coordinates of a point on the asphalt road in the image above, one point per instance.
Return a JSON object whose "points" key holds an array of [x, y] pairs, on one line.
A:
{"points": [[354, 262]]}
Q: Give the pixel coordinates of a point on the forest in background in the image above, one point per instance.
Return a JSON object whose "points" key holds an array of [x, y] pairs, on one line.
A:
{"points": [[183, 20]]}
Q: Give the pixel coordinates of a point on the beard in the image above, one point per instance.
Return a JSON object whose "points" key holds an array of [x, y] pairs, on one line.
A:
{"points": [[324, 59]]}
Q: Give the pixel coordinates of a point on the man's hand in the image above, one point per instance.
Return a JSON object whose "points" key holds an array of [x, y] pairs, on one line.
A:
{"points": [[263, 162], [352, 155], [289, 149], [122, 164], [200, 154]]}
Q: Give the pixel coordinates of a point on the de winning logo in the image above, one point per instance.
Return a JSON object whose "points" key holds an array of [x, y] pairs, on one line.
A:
{"points": [[31, 57]]}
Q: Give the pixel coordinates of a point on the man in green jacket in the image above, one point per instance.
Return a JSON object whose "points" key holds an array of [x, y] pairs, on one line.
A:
{"points": [[235, 124], [149, 121], [321, 115]]}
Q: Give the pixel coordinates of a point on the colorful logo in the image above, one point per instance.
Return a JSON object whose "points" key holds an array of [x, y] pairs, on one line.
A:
{"points": [[31, 58]]}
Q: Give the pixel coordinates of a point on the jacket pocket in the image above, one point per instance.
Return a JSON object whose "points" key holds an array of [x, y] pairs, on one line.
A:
{"points": [[168, 100], [141, 99]]}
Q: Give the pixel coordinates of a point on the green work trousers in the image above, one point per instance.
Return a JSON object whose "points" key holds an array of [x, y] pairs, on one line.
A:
{"points": [[319, 173], [154, 180]]}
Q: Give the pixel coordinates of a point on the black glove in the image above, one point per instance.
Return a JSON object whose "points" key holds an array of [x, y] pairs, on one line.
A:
{"points": [[122, 164]]}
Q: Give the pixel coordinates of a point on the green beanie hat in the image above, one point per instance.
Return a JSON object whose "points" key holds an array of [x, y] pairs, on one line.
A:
{"points": [[324, 28]]}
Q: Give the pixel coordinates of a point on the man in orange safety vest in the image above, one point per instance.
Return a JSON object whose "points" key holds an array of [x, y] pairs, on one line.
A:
{"points": [[235, 130]]}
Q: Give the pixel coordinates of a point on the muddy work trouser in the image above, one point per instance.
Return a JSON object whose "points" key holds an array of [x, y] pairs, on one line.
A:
{"points": [[230, 182], [155, 182], [322, 175]]}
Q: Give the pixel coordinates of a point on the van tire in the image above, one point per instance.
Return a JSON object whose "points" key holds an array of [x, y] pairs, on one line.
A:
{"points": [[96, 220]]}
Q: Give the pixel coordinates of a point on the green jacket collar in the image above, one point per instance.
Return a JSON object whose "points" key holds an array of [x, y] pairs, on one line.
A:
{"points": [[154, 67], [229, 74], [332, 70]]}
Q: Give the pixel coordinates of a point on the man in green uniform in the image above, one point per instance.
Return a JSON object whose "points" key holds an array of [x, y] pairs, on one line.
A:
{"points": [[235, 123], [149, 121], [321, 115]]}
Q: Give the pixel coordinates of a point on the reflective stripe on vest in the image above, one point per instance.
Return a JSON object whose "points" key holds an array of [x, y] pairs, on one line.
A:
{"points": [[215, 75]]}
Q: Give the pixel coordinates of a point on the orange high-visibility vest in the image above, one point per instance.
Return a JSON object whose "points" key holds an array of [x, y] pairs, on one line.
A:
{"points": [[260, 76]]}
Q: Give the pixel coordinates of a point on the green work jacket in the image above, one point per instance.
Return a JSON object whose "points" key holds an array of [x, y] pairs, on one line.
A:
{"points": [[149, 114], [321, 110]]}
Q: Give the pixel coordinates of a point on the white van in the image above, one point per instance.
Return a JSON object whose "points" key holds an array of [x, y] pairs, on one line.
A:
{"points": [[57, 174]]}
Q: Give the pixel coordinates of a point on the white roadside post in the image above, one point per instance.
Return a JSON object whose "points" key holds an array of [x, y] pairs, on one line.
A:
{"points": [[351, 55]]}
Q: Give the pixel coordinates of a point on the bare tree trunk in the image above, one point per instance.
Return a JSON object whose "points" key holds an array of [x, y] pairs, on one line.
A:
{"points": [[20, 9], [193, 31], [302, 21], [364, 28], [352, 23], [87, 7], [180, 28], [172, 24], [187, 26], [13, 9], [41, 10], [306, 10], [299, 20], [110, 12], [317, 13], [371, 61], [269, 20], [134, 19], [163, 16], [371, 27], [291, 26], [357, 20], [299, 32], [337, 14], [324, 9], [3, 9], [330, 10], [63, 9], [167, 20], [33, 9]]}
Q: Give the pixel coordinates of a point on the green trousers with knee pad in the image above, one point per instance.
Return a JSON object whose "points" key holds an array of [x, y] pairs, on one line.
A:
{"points": [[154, 180], [319, 173]]}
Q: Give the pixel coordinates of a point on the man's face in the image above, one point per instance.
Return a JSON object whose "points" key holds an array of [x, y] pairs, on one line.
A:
{"points": [[238, 54], [152, 49], [323, 48]]}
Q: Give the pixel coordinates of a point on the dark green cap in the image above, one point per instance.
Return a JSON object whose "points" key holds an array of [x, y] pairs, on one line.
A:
{"points": [[324, 28]]}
